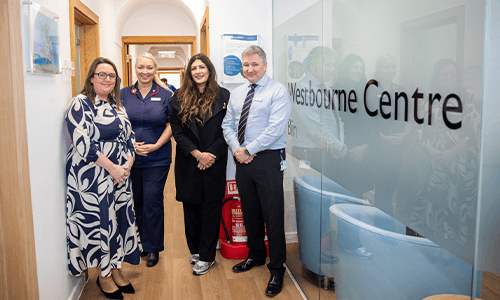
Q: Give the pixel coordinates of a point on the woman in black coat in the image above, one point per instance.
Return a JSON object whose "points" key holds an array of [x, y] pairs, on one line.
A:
{"points": [[197, 111]]}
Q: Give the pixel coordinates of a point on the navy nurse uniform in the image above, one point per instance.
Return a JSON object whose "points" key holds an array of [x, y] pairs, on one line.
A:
{"points": [[149, 117]]}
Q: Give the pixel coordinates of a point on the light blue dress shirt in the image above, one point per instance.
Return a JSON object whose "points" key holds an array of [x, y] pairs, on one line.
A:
{"points": [[267, 120]]}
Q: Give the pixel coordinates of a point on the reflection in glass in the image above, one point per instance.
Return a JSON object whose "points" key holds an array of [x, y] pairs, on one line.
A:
{"points": [[453, 159], [351, 77], [321, 128], [397, 124], [389, 139]]}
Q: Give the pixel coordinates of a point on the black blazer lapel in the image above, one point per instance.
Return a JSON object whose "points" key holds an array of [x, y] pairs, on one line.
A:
{"points": [[194, 129]]}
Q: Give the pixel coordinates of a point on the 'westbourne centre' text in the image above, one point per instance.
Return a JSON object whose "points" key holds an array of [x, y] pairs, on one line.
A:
{"points": [[381, 104]]}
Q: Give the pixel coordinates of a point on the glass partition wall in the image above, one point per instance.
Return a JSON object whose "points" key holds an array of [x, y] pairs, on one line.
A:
{"points": [[384, 145]]}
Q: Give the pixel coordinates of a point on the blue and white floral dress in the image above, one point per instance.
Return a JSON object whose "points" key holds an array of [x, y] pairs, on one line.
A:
{"points": [[101, 229]]}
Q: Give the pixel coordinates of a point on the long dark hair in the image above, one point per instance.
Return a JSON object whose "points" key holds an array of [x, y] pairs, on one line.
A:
{"points": [[346, 65], [193, 104], [435, 75], [88, 89]]}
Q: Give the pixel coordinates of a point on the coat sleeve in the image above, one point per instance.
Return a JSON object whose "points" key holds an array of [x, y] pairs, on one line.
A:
{"points": [[79, 120], [183, 141]]}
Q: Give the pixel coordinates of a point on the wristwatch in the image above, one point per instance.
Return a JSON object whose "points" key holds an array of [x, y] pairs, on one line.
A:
{"points": [[246, 152]]}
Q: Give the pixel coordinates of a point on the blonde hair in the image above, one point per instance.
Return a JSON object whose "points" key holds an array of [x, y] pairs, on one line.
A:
{"points": [[152, 58]]}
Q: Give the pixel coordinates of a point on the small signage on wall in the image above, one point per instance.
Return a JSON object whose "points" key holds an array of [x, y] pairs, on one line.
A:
{"points": [[233, 46]]}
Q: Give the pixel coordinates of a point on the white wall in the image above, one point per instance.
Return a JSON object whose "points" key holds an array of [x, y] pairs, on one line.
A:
{"points": [[158, 19], [196, 7], [110, 47], [238, 17]]}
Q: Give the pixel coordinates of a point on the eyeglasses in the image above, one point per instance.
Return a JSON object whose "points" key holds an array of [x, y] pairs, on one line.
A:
{"points": [[103, 75]]}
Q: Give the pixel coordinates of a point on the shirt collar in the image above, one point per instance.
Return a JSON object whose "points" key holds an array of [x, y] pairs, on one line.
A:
{"points": [[98, 101], [154, 89], [261, 82]]}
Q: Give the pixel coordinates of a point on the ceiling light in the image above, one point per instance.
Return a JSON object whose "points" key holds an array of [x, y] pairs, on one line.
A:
{"points": [[166, 54]]}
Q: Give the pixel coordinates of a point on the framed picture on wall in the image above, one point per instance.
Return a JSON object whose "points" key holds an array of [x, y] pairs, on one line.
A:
{"points": [[43, 40]]}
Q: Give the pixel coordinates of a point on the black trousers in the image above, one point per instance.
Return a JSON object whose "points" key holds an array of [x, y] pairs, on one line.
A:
{"points": [[201, 226], [147, 188], [260, 185]]}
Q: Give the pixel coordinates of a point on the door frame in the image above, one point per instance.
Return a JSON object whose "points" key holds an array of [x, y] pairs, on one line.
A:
{"points": [[142, 40], [171, 71], [409, 30], [80, 14], [18, 269], [205, 34]]}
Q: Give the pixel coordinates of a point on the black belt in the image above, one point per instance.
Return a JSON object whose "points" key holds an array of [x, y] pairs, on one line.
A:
{"points": [[269, 150]]}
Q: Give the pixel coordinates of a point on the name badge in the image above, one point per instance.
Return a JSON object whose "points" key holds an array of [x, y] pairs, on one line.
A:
{"points": [[257, 99], [155, 99]]}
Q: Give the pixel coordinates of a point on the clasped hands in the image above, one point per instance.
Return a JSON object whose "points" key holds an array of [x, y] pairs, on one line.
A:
{"points": [[143, 149], [242, 157], [120, 173], [206, 160]]}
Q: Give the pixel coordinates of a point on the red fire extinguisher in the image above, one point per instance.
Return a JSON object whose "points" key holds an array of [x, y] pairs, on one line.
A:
{"points": [[239, 235], [233, 237], [236, 234], [233, 226]]}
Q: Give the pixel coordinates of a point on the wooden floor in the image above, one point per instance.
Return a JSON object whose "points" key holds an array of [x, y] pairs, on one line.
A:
{"points": [[172, 277]]}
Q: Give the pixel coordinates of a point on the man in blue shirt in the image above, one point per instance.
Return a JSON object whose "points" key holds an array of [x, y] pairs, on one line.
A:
{"points": [[254, 128]]}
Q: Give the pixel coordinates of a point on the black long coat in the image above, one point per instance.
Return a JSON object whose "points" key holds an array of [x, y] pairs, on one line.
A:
{"points": [[192, 184]]}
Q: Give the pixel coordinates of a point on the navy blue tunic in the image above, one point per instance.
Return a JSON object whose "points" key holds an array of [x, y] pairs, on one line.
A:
{"points": [[149, 117]]}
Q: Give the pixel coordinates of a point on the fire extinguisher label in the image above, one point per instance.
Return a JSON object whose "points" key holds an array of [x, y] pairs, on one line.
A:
{"points": [[231, 187], [239, 239], [237, 225]]}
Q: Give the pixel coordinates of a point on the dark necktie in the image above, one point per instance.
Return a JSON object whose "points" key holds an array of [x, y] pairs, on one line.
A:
{"points": [[244, 114]]}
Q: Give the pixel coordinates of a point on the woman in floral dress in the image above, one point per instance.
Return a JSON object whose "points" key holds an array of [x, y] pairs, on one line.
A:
{"points": [[101, 229]]}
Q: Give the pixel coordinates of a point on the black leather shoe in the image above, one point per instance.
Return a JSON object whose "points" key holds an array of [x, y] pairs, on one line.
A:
{"points": [[247, 264], [128, 289], [153, 258], [114, 295], [274, 285]]}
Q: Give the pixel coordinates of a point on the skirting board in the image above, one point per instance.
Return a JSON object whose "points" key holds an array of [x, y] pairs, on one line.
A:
{"points": [[291, 237], [78, 289]]}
